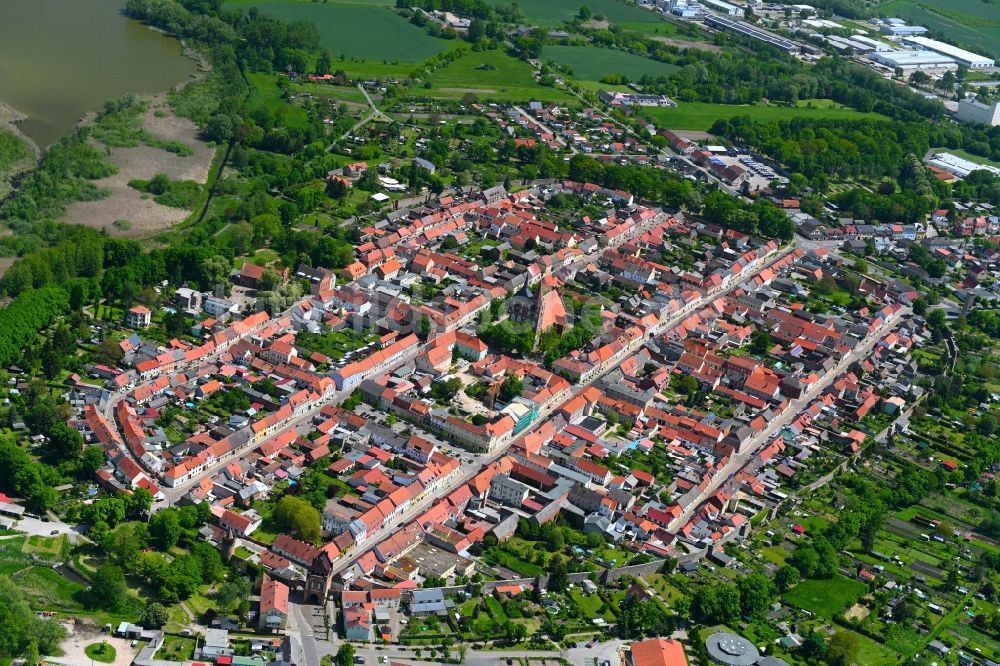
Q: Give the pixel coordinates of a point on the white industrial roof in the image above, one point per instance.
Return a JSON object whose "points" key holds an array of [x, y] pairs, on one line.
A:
{"points": [[961, 55]]}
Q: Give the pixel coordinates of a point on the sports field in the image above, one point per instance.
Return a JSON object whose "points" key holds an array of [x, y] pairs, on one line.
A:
{"points": [[366, 29], [554, 12], [492, 75], [973, 24], [701, 115], [592, 62]]}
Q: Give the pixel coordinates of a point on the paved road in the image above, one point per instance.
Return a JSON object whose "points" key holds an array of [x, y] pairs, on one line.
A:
{"points": [[795, 407], [305, 649]]}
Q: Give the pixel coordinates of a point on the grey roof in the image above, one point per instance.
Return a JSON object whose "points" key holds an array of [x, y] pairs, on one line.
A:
{"points": [[772, 661], [731, 649]]}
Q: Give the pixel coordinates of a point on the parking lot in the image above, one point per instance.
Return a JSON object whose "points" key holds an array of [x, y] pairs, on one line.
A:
{"points": [[760, 173]]}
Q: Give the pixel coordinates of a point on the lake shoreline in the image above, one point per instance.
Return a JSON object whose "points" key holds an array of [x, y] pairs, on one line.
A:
{"points": [[9, 119]]}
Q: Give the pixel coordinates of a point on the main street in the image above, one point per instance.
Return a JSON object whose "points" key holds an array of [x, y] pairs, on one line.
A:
{"points": [[753, 446]]}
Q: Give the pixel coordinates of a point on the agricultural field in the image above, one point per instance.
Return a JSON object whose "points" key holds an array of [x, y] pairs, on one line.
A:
{"points": [[592, 63], [972, 24], [492, 75], [826, 598], [702, 115], [366, 29], [553, 12]]}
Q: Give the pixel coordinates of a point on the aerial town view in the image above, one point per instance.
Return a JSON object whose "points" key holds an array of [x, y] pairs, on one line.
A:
{"points": [[499, 332]]}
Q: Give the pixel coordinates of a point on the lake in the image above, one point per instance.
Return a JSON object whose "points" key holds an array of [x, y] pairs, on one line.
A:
{"points": [[60, 59]]}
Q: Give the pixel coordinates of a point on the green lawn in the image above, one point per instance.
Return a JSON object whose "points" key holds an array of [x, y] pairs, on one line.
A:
{"points": [[589, 604], [176, 648], [46, 589], [48, 548], [870, 652], [989, 643], [775, 554], [496, 610], [653, 28], [358, 29], [826, 597], [103, 652], [593, 63], [12, 558], [553, 12], [265, 94], [492, 75], [702, 115], [335, 344], [504, 559]]}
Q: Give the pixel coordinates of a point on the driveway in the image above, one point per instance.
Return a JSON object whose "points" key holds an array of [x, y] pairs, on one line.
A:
{"points": [[36, 527]]}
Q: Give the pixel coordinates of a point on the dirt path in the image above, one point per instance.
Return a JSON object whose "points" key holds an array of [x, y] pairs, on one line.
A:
{"points": [[687, 44], [145, 216]]}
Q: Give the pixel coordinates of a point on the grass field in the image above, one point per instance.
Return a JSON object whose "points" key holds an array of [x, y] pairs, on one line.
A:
{"points": [[652, 28], [554, 12], [826, 597], [492, 75], [775, 554], [47, 590], [514, 563], [344, 93], [47, 548], [265, 94], [357, 29], [592, 63], [590, 605], [496, 610], [973, 24], [701, 115], [870, 652], [176, 648]]}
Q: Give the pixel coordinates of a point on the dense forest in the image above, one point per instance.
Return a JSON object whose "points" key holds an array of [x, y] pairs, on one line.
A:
{"points": [[831, 150]]}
